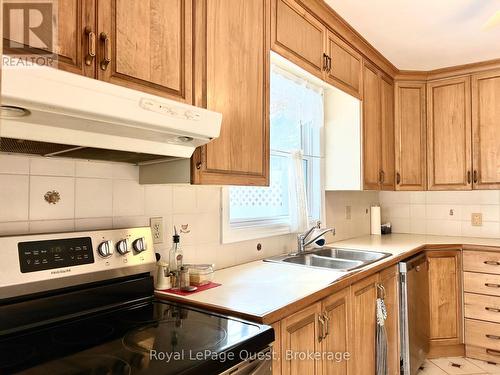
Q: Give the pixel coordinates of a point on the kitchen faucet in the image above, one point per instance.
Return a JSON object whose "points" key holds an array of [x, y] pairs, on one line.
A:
{"points": [[303, 241]]}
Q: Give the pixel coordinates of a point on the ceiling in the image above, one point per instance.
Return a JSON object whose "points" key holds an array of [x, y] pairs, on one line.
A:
{"points": [[426, 34]]}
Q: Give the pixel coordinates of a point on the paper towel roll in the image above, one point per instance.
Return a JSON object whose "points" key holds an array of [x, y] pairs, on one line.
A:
{"points": [[375, 220]]}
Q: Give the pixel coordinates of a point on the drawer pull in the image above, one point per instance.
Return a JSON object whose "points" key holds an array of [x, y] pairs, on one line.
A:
{"points": [[492, 263], [492, 309], [491, 285], [493, 337], [493, 352]]}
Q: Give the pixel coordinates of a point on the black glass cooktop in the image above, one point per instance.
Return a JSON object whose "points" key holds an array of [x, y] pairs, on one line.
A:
{"points": [[151, 338]]}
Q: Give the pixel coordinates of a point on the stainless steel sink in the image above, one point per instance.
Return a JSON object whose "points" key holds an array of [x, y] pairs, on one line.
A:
{"points": [[343, 260]]}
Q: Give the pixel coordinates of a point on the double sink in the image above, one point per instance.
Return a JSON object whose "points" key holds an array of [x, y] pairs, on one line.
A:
{"points": [[343, 260]]}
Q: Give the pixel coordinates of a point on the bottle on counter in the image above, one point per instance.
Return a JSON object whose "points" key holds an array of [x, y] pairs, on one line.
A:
{"points": [[175, 259]]}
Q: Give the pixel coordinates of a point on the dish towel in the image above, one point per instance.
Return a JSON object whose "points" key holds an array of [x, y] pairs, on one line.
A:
{"points": [[381, 345]]}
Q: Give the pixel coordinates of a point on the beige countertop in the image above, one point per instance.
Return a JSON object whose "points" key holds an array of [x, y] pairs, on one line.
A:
{"points": [[266, 292]]}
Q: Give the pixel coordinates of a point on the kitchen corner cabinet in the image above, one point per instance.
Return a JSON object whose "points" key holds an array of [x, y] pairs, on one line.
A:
{"points": [[410, 136], [146, 45], [445, 299], [486, 129], [301, 38], [449, 146], [378, 130], [234, 81]]}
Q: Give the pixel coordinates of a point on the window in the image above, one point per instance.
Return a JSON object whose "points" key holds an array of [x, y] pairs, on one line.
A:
{"points": [[296, 116]]}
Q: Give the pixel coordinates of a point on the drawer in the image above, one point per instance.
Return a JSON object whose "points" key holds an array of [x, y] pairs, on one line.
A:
{"points": [[482, 283], [482, 261], [485, 354], [482, 334], [482, 307]]}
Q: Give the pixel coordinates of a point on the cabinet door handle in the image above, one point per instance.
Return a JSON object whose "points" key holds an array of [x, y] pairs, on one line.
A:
{"points": [[398, 178], [382, 177], [325, 62], [492, 309], [329, 63], [493, 337], [107, 51], [491, 285], [475, 176], [469, 179], [492, 263], [321, 328], [327, 325], [493, 352], [90, 46]]}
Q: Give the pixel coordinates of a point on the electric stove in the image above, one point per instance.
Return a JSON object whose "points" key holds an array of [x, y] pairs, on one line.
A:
{"points": [[97, 314]]}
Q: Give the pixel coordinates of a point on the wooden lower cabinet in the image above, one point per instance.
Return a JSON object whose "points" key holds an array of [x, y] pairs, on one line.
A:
{"points": [[445, 300], [300, 335], [340, 330]]}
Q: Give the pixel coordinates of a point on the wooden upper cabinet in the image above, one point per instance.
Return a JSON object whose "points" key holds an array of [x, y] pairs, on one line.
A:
{"points": [[235, 82], [449, 159], [300, 333], [146, 45], [337, 309], [486, 129], [344, 68], [371, 129], [445, 297], [75, 29], [363, 326], [298, 36], [387, 133], [410, 136]]}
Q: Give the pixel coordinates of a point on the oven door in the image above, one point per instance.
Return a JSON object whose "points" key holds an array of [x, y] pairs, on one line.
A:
{"points": [[261, 365]]}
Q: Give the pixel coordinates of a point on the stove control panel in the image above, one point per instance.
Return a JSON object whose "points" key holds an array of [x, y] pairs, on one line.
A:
{"points": [[56, 253]]}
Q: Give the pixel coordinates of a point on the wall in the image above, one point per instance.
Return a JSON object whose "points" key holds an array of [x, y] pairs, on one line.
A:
{"points": [[98, 195], [335, 212], [444, 213]]}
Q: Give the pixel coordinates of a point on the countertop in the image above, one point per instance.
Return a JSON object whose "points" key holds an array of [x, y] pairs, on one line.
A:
{"points": [[267, 292]]}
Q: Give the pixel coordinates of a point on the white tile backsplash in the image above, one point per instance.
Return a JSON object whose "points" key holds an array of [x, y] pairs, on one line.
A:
{"points": [[14, 197], [40, 209], [431, 215], [100, 195]]}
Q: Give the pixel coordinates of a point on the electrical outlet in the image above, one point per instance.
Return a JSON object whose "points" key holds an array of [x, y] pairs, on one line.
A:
{"points": [[476, 219], [348, 212], [156, 224]]}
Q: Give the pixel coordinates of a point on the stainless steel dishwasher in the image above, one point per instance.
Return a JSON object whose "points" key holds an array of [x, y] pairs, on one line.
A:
{"points": [[414, 313]]}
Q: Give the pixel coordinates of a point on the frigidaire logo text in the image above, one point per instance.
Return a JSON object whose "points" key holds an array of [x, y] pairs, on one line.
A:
{"points": [[66, 270]]}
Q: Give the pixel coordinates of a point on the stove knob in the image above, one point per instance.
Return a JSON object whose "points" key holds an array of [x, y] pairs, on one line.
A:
{"points": [[105, 249], [140, 245], [122, 246]]}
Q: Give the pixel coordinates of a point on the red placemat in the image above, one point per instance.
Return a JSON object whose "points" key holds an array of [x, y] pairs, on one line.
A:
{"points": [[201, 288]]}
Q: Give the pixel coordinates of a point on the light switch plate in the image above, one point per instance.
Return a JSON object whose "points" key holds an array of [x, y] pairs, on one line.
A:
{"points": [[348, 212], [476, 219], [156, 224]]}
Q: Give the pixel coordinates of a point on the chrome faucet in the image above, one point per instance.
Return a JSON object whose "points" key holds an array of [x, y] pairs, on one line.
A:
{"points": [[303, 241]]}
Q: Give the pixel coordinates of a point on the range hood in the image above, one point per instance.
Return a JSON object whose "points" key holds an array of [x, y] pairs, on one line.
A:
{"points": [[50, 112]]}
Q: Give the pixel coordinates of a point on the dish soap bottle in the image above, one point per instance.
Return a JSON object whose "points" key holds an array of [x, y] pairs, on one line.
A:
{"points": [[175, 260]]}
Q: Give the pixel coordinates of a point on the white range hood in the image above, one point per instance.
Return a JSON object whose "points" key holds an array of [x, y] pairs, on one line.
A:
{"points": [[49, 112]]}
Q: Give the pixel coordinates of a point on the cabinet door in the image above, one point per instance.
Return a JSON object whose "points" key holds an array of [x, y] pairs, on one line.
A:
{"points": [[363, 326], [337, 309], [72, 44], [371, 129], [387, 133], [300, 333], [449, 159], [344, 70], [410, 136], [235, 82], [298, 36], [486, 129], [389, 279], [445, 297], [148, 44]]}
